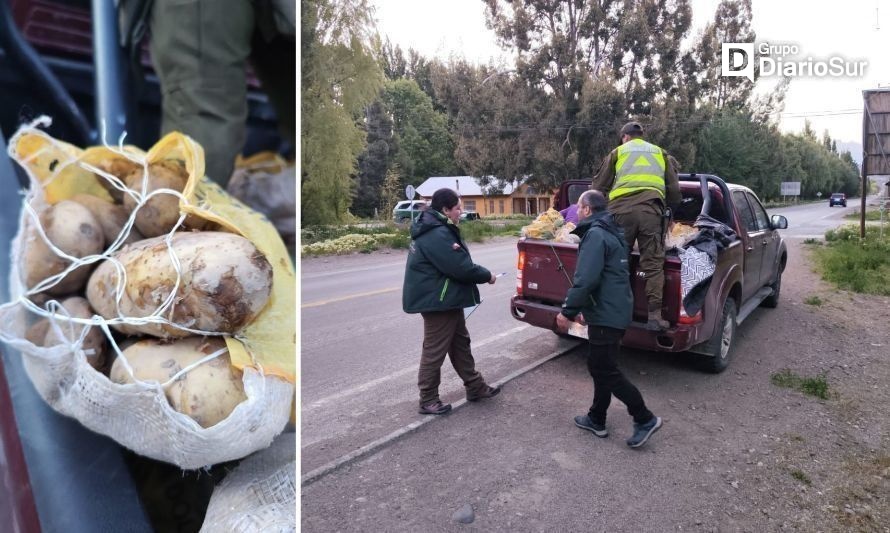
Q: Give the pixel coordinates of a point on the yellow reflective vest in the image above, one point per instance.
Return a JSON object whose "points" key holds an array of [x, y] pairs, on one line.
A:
{"points": [[639, 166]]}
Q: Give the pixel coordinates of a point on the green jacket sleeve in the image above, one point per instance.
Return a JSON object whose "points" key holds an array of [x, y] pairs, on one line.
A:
{"points": [[588, 271], [673, 196], [605, 176], [454, 263]]}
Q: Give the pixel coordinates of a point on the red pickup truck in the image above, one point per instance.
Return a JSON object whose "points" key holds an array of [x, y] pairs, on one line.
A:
{"points": [[747, 274]]}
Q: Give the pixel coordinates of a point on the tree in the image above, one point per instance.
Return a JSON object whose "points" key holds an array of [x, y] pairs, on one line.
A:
{"points": [[339, 77], [393, 61], [426, 147], [392, 189], [563, 47], [403, 129], [382, 147], [731, 24]]}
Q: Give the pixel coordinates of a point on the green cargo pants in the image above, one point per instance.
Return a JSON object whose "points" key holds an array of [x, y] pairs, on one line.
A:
{"points": [[645, 225], [200, 50]]}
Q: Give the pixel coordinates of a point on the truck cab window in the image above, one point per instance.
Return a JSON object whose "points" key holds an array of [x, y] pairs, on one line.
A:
{"points": [[747, 216], [575, 192], [759, 213]]}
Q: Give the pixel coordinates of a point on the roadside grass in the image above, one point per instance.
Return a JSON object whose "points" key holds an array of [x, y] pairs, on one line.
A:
{"points": [[336, 240], [812, 241], [870, 214], [816, 386], [813, 300], [479, 230], [857, 503], [851, 264], [800, 476], [314, 234]]}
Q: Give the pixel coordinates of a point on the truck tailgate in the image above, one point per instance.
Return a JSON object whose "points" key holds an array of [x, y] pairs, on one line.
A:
{"points": [[548, 268]]}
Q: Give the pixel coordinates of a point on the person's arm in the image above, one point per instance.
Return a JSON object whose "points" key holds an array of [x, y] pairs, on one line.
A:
{"points": [[605, 176], [452, 260], [672, 182], [590, 263]]}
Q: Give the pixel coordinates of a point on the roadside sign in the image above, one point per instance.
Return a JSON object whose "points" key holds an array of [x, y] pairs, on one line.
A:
{"points": [[790, 188], [410, 192]]}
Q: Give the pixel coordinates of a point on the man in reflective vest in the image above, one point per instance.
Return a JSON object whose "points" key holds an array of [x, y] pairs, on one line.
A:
{"points": [[640, 180]]}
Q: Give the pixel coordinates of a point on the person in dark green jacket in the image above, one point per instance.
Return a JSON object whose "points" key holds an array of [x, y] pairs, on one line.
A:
{"points": [[601, 298], [440, 281]]}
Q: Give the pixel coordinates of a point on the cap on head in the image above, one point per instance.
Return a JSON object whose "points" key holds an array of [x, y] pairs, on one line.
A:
{"points": [[632, 128]]}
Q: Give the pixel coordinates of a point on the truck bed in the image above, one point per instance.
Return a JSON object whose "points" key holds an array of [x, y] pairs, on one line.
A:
{"points": [[546, 269], [539, 296]]}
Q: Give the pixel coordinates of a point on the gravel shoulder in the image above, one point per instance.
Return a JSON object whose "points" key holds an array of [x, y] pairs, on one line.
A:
{"points": [[737, 453]]}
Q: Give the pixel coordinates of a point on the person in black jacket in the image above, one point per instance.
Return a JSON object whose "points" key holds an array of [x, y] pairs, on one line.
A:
{"points": [[601, 297], [440, 281]]}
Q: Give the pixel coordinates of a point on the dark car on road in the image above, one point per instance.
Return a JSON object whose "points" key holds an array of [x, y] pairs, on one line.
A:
{"points": [[837, 198]]}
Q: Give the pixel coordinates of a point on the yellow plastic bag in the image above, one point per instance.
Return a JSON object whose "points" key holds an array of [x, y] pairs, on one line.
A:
{"points": [[270, 340], [544, 226]]}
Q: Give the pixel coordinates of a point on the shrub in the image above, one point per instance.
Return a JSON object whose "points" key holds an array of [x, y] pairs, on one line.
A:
{"points": [[817, 386], [813, 300], [853, 264]]}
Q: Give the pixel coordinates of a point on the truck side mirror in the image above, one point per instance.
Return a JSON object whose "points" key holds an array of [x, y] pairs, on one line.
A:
{"points": [[778, 222]]}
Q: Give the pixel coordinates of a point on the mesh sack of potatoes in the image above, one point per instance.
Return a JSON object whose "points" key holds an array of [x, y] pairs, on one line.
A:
{"points": [[544, 226], [147, 303], [260, 495]]}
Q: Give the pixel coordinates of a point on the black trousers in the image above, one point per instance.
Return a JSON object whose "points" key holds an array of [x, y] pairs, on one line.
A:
{"points": [[602, 363]]}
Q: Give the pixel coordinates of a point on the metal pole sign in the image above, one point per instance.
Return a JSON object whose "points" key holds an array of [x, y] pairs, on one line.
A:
{"points": [[875, 142], [790, 188], [410, 192]]}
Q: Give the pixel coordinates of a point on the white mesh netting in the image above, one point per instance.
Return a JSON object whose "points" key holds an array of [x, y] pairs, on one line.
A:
{"points": [[260, 495], [136, 415]]}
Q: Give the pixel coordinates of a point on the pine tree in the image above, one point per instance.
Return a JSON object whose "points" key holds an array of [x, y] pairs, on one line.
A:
{"points": [[391, 192]]}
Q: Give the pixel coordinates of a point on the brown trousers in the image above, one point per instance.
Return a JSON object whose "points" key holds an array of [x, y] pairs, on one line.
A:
{"points": [[445, 332], [645, 225]]}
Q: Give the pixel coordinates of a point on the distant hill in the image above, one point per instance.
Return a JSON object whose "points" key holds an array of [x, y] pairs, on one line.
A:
{"points": [[855, 149]]}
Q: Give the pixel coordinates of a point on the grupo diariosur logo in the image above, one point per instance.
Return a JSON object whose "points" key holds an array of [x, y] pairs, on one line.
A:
{"points": [[785, 59]]}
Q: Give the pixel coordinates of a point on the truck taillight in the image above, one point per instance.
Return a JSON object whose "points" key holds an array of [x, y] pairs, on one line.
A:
{"points": [[520, 265], [686, 319]]}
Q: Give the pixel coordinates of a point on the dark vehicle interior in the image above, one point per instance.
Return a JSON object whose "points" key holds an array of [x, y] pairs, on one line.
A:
{"points": [[691, 205], [47, 67], [55, 475]]}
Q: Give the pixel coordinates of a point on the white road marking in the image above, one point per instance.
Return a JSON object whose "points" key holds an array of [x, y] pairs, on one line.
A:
{"points": [[372, 447], [407, 370]]}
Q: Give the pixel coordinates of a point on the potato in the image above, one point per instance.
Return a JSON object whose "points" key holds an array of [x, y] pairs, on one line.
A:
{"points": [[73, 229], [119, 168], [94, 344], [36, 334], [207, 393], [225, 284], [159, 215], [111, 217]]}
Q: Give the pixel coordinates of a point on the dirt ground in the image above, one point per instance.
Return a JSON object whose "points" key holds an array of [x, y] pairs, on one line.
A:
{"points": [[737, 453]]}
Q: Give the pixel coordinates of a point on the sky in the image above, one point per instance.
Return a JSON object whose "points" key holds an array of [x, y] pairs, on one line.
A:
{"points": [[852, 30]]}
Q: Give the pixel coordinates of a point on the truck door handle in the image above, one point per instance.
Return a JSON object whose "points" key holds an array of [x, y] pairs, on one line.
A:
{"points": [[750, 248], [764, 242]]}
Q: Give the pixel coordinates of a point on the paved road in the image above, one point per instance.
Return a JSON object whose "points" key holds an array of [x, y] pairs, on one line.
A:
{"points": [[811, 221], [360, 351]]}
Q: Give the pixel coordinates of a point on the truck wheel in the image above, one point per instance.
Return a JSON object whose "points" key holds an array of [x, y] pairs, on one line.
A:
{"points": [[717, 350], [772, 301]]}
